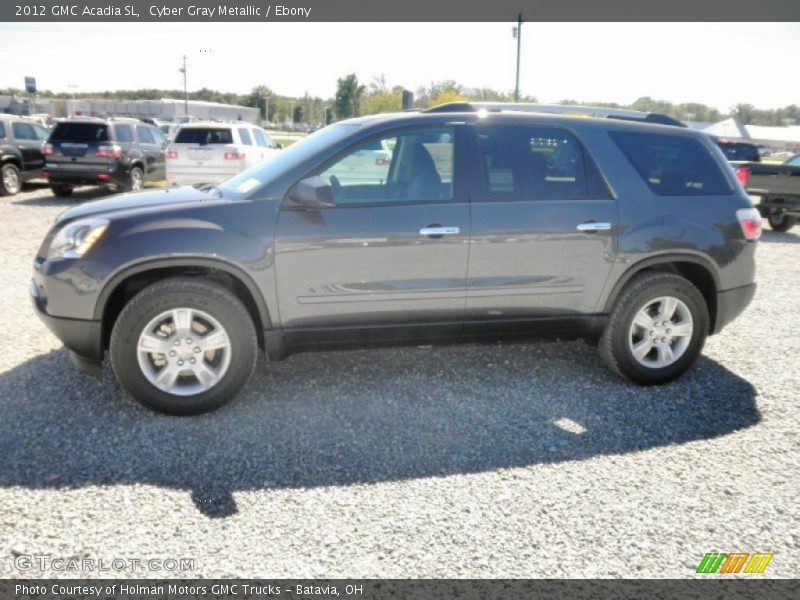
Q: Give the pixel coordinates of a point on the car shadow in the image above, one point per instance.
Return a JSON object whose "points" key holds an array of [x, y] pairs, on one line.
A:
{"points": [[357, 417], [80, 194], [768, 236]]}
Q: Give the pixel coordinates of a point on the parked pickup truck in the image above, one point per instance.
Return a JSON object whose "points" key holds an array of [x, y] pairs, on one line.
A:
{"points": [[776, 191]]}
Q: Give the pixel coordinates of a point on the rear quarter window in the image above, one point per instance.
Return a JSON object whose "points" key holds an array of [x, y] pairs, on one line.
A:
{"points": [[245, 136], [204, 135], [672, 165], [80, 132], [2, 130]]}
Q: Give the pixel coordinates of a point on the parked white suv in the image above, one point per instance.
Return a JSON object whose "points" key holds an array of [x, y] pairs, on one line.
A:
{"points": [[215, 152]]}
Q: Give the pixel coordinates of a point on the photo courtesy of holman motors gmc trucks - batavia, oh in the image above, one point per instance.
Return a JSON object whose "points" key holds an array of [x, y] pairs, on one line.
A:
{"points": [[471, 221]]}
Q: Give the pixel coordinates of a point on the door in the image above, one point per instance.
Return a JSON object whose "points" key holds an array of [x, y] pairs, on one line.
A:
{"points": [[29, 144], [393, 249], [543, 225]]}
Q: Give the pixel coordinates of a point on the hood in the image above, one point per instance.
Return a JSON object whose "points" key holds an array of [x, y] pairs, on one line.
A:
{"points": [[139, 200]]}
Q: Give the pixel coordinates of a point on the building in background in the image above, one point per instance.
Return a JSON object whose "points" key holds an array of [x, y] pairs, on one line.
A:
{"points": [[166, 109]]}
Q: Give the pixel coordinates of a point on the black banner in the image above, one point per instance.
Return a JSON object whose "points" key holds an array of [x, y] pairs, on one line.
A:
{"points": [[371, 589], [405, 10]]}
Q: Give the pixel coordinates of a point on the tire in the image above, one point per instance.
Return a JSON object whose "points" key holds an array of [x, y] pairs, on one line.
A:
{"points": [[781, 222], [185, 394], [10, 180], [135, 180], [642, 300], [61, 190]]}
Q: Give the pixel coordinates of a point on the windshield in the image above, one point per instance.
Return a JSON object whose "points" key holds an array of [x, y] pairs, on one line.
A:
{"points": [[250, 180]]}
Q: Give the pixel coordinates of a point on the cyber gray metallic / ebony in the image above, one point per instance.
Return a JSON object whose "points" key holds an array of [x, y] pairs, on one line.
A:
{"points": [[415, 227]]}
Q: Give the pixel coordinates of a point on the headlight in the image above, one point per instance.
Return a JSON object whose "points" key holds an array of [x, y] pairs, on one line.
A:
{"points": [[75, 239]]}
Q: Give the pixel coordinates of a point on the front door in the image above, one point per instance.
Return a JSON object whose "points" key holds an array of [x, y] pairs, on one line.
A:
{"points": [[392, 251], [543, 225]]}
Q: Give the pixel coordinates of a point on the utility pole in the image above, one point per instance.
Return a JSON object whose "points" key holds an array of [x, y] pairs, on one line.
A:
{"points": [[518, 34], [185, 92]]}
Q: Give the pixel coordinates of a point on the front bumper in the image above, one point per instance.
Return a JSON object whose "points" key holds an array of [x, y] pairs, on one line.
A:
{"points": [[731, 303], [82, 337]]}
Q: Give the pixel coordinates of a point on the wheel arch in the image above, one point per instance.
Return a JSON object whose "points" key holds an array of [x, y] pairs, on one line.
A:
{"points": [[697, 269], [124, 284]]}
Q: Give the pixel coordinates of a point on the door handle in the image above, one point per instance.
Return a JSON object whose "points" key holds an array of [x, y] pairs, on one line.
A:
{"points": [[438, 230], [594, 226]]}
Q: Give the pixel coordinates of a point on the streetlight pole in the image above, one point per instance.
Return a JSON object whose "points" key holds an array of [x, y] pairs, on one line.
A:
{"points": [[518, 35], [185, 92]]}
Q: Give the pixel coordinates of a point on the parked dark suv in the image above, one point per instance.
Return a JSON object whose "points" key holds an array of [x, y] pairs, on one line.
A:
{"points": [[123, 153], [20, 152], [484, 223]]}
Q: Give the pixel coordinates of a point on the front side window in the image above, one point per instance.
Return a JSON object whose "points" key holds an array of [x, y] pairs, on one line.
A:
{"points": [[409, 166], [533, 163], [23, 131], [42, 133], [672, 165]]}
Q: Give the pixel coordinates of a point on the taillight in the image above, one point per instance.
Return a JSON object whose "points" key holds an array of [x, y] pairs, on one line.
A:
{"points": [[171, 154], [750, 220], [742, 173], [46, 174], [381, 162], [234, 156], [47, 149], [112, 151]]}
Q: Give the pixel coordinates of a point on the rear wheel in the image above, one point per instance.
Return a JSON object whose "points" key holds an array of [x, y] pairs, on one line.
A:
{"points": [[184, 346], [61, 190], [10, 180], [657, 329], [135, 181], [781, 221]]}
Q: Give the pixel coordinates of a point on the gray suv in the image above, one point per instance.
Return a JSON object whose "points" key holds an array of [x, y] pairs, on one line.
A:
{"points": [[473, 221]]}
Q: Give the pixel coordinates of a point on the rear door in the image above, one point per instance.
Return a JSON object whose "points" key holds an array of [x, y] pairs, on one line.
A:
{"points": [[75, 145], [393, 251], [28, 143], [544, 225]]}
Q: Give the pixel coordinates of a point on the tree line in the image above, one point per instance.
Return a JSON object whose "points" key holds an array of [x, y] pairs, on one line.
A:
{"points": [[354, 98]]}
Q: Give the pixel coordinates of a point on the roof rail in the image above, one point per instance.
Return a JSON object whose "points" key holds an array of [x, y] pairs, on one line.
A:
{"points": [[558, 109]]}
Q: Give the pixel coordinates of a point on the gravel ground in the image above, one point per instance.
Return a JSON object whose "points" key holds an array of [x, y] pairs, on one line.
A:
{"points": [[515, 460]]}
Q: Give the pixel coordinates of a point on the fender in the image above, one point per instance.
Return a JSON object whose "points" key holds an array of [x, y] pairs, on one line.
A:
{"points": [[653, 261], [184, 261]]}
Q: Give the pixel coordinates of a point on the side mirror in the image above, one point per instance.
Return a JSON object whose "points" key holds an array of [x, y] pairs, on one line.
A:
{"points": [[313, 192]]}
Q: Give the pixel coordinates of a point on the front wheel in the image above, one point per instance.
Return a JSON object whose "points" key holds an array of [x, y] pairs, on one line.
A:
{"points": [[781, 221], [657, 329], [184, 346]]}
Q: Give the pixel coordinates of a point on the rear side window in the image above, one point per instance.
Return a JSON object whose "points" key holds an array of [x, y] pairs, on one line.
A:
{"points": [[80, 132], [204, 135], [124, 133], [41, 133], [737, 151], [260, 139], [2, 130], [23, 131], [672, 165], [245, 135], [534, 163]]}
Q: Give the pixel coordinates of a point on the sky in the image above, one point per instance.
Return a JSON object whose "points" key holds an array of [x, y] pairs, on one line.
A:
{"points": [[719, 64]]}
